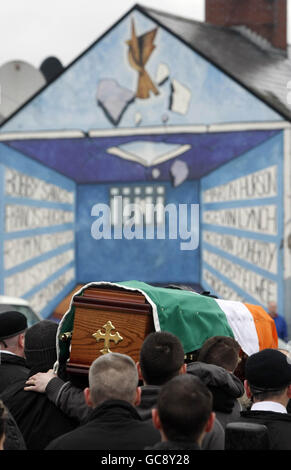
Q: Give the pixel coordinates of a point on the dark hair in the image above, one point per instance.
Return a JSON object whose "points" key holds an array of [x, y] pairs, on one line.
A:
{"points": [[161, 357], [265, 394], [184, 406], [221, 351], [3, 416]]}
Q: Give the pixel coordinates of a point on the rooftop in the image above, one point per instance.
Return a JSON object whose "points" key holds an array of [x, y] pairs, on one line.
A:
{"points": [[262, 70]]}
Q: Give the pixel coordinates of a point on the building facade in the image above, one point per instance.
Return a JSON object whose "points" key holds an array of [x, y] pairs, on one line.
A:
{"points": [[145, 116]]}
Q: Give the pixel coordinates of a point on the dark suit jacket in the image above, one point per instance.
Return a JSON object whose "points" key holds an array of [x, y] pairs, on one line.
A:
{"points": [[114, 425], [38, 419], [12, 369], [278, 424]]}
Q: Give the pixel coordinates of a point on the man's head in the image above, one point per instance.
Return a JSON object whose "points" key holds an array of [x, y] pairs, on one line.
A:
{"points": [[12, 328], [268, 376], [161, 358], [184, 409], [221, 351], [112, 376], [272, 309], [40, 346]]}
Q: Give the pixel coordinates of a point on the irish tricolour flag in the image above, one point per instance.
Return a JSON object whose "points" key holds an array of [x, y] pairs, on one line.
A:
{"points": [[194, 318]]}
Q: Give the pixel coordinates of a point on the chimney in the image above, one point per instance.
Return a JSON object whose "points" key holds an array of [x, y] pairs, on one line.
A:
{"points": [[268, 18]]}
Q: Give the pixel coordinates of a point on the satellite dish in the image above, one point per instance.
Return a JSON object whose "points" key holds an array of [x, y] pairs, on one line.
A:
{"points": [[51, 68], [18, 82]]}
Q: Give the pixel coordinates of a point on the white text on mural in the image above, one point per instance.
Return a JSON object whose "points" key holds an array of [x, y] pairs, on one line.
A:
{"points": [[260, 288], [262, 219], [20, 217], [260, 184], [21, 282], [42, 298], [260, 253], [220, 287], [20, 250], [21, 185]]}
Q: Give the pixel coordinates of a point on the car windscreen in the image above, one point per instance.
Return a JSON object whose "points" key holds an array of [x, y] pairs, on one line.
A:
{"points": [[27, 311]]}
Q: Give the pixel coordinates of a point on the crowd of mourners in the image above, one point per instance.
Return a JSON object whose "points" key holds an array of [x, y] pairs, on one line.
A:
{"points": [[222, 400]]}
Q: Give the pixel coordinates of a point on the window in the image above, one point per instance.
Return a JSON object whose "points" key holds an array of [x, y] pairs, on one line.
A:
{"points": [[149, 204]]}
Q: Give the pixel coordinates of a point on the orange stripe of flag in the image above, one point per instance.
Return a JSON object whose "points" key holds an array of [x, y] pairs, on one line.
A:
{"points": [[265, 326]]}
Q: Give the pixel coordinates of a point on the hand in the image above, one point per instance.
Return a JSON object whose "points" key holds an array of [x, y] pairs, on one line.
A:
{"points": [[39, 381]]}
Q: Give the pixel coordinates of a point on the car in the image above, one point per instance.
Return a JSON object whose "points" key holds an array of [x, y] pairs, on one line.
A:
{"points": [[20, 305]]}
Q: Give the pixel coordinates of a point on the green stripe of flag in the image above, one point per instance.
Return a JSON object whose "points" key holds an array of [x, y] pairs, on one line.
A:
{"points": [[192, 317]]}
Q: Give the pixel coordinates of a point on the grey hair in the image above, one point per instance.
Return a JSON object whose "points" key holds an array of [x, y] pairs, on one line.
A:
{"points": [[113, 376]]}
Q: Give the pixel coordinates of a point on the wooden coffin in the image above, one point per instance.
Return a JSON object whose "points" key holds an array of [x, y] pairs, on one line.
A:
{"points": [[104, 317], [107, 320]]}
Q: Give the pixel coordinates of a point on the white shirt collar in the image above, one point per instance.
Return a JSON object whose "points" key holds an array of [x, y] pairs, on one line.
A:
{"points": [[269, 406], [6, 352]]}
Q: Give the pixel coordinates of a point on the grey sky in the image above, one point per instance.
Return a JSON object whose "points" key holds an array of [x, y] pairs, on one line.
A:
{"points": [[32, 30]]}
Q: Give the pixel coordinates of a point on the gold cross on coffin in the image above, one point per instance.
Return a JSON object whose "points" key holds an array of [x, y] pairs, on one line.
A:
{"points": [[107, 336]]}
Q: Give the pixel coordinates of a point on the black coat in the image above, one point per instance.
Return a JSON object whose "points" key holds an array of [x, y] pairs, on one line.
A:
{"points": [[38, 419], [149, 398], [174, 445], [278, 424], [114, 425], [225, 387], [213, 440], [12, 369], [13, 437]]}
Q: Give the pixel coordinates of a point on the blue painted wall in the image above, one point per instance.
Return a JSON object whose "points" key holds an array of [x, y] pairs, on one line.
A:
{"points": [[87, 160], [70, 102], [158, 261], [263, 156], [49, 291]]}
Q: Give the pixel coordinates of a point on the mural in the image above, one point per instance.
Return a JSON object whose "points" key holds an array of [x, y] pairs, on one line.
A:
{"points": [[152, 260], [242, 227], [139, 51], [115, 99], [156, 122], [191, 90], [37, 232]]}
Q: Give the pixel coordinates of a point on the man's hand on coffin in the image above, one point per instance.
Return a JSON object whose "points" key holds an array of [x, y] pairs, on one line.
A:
{"points": [[39, 381]]}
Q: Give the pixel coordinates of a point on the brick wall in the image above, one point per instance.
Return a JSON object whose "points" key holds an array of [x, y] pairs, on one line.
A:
{"points": [[267, 18]]}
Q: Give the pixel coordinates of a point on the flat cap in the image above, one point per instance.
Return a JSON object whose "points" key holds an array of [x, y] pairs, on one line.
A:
{"points": [[12, 323], [268, 370]]}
